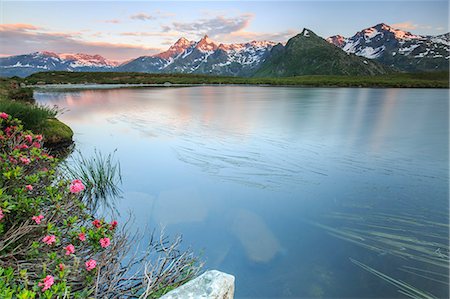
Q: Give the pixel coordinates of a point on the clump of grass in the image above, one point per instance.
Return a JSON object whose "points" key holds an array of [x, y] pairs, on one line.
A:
{"points": [[21, 94], [101, 175], [33, 116]]}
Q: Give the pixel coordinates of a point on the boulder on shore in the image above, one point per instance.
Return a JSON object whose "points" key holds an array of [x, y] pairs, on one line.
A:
{"points": [[212, 284]]}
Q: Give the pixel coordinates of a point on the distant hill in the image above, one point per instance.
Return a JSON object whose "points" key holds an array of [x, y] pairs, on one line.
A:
{"points": [[397, 48], [25, 65], [309, 54]]}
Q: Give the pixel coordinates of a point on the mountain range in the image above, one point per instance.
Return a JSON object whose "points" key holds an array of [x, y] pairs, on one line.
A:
{"points": [[374, 50]]}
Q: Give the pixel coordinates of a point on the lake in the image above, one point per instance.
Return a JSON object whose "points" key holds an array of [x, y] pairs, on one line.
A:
{"points": [[298, 192]]}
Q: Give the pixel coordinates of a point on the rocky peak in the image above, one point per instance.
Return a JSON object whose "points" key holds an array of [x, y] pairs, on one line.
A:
{"points": [[337, 40], [206, 44], [177, 48]]}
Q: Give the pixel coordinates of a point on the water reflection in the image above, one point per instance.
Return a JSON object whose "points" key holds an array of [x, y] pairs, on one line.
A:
{"points": [[259, 242], [238, 170]]}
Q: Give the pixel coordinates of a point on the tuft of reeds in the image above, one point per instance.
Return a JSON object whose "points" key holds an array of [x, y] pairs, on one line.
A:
{"points": [[33, 116], [101, 175]]}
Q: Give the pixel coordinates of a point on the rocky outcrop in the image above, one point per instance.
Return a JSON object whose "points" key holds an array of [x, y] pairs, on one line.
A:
{"points": [[212, 284]]}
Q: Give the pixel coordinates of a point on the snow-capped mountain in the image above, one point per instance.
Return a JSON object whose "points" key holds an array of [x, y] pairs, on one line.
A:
{"points": [[24, 65], [204, 57], [398, 48], [382, 43]]}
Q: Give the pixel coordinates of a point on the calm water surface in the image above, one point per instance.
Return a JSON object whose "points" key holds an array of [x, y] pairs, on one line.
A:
{"points": [[282, 187]]}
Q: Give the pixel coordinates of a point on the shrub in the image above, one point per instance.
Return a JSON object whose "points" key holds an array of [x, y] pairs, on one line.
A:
{"points": [[52, 245], [21, 94]]}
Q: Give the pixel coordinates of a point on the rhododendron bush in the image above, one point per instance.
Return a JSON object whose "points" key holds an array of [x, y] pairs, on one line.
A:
{"points": [[52, 245]]}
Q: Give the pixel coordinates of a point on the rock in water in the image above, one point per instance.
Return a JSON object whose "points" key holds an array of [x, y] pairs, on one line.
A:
{"points": [[212, 284]]}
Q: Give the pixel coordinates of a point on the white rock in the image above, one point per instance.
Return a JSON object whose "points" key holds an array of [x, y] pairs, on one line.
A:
{"points": [[212, 284]]}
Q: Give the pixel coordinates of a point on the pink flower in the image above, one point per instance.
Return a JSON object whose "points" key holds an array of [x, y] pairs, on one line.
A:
{"points": [[113, 225], [23, 146], [47, 282], [39, 137], [25, 161], [28, 138], [105, 242], [8, 131], [91, 264], [69, 249], [37, 219], [61, 267], [97, 223], [82, 236], [29, 187], [1, 214], [4, 115], [36, 144], [76, 186], [49, 239]]}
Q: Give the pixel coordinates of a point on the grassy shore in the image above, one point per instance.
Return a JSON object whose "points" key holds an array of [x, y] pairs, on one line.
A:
{"points": [[19, 103], [405, 80]]}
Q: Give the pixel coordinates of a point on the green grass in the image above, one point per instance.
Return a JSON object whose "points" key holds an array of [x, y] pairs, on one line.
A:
{"points": [[34, 117], [413, 80], [19, 103]]}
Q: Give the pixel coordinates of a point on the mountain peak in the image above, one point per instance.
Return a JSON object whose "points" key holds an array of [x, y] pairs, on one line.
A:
{"points": [[307, 33], [337, 40], [382, 27], [47, 53], [177, 48], [182, 41], [206, 44]]}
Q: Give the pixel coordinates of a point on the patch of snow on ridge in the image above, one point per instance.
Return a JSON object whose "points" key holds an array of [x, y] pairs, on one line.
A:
{"points": [[371, 53], [407, 50], [371, 32]]}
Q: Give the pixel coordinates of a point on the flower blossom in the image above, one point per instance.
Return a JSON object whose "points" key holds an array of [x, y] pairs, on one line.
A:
{"points": [[25, 161], [1, 214], [91, 264], [36, 144], [61, 266], [76, 186], [4, 115], [47, 282], [49, 239], [113, 225], [29, 187], [28, 138], [39, 137], [97, 223], [69, 249], [82, 236], [105, 242], [37, 219]]}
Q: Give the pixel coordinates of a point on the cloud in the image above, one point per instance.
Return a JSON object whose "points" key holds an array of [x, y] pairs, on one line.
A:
{"points": [[245, 36], [113, 21], [17, 27], [213, 26], [150, 33], [142, 17], [25, 38], [405, 25], [408, 25]]}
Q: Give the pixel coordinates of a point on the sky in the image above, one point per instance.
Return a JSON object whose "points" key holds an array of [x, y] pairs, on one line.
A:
{"points": [[121, 30]]}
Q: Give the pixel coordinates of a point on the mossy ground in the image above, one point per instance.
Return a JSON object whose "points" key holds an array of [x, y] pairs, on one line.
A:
{"points": [[56, 133]]}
